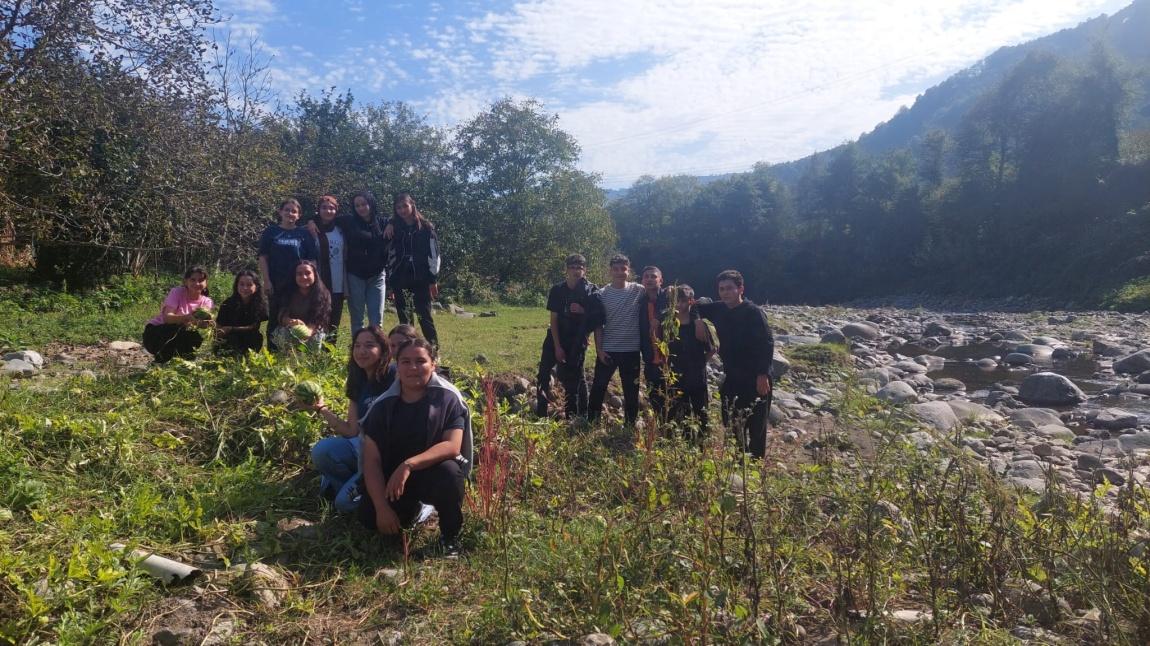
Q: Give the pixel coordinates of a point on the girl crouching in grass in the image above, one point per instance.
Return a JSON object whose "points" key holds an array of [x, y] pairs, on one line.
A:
{"points": [[369, 375], [417, 448], [305, 308], [238, 323], [174, 332]]}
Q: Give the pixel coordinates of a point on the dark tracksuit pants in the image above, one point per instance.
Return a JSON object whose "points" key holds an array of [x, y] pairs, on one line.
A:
{"points": [[335, 317], [421, 294], [741, 403], [440, 486], [240, 342], [656, 388], [570, 376], [627, 363], [171, 340]]}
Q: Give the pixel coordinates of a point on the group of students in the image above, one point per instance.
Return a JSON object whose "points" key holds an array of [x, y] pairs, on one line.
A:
{"points": [[405, 445], [665, 334], [306, 274]]}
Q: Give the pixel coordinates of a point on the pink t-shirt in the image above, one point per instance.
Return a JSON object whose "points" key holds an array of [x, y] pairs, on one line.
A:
{"points": [[177, 302]]}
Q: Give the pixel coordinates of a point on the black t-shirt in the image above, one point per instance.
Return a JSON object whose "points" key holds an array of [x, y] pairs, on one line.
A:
{"points": [[406, 434], [746, 345], [689, 358], [573, 326]]}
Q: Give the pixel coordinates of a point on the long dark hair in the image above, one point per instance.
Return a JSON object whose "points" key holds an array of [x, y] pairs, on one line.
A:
{"points": [[319, 298], [420, 221], [356, 376], [257, 308]]}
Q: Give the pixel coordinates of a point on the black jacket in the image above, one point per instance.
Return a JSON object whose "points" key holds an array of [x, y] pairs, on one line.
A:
{"points": [[413, 257], [364, 247], [746, 344]]}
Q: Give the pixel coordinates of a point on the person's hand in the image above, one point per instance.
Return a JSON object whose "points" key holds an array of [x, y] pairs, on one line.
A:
{"points": [[204, 324], [396, 482], [389, 232], [576, 308], [560, 354], [318, 405], [294, 322], [763, 385], [604, 358], [385, 519], [433, 289]]}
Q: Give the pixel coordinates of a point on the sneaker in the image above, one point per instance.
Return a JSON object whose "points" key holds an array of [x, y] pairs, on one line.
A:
{"points": [[449, 548]]}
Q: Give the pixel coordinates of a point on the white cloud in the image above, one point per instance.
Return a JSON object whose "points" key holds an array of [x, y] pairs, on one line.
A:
{"points": [[732, 82]]}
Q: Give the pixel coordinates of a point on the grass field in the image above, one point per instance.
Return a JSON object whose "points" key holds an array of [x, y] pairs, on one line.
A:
{"points": [[630, 532]]}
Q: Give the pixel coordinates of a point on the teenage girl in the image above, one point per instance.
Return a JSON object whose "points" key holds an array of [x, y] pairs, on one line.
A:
{"points": [[282, 246], [238, 323], [174, 332], [417, 448], [413, 264], [366, 261], [305, 302], [369, 374]]}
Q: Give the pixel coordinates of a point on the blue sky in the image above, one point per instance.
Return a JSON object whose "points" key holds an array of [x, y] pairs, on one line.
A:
{"points": [[646, 86]]}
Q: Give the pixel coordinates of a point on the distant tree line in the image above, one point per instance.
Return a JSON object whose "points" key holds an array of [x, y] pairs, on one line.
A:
{"points": [[121, 150], [1039, 191]]}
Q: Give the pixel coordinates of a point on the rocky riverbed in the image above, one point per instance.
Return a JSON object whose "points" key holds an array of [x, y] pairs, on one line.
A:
{"points": [[1037, 397]]}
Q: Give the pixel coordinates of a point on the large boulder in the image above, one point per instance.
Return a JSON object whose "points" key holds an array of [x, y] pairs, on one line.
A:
{"points": [[17, 368], [1049, 389], [1036, 351], [936, 328], [860, 331], [936, 414], [1133, 363], [1114, 419], [930, 362], [779, 365], [897, 392]]}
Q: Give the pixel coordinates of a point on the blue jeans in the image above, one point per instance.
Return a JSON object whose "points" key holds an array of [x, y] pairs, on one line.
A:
{"points": [[365, 294], [337, 460]]}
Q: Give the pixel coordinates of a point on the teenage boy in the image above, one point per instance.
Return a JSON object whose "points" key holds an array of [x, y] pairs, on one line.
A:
{"points": [[652, 311], [746, 347], [617, 340], [688, 356], [565, 346]]}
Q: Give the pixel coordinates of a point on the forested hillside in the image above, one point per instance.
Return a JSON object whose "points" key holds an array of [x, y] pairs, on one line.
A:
{"points": [[1028, 174]]}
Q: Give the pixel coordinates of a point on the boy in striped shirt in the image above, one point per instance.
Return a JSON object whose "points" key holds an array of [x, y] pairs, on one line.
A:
{"points": [[617, 340]]}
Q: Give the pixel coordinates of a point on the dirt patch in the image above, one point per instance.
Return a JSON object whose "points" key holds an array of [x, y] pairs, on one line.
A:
{"points": [[63, 357]]}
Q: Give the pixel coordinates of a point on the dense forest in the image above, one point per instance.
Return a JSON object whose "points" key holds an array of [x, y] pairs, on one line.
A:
{"points": [[1027, 175], [121, 149]]}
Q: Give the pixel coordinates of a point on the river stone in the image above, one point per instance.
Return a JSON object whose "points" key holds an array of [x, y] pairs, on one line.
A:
{"points": [[124, 346], [1133, 363], [1108, 475], [1045, 340], [779, 365], [1135, 442], [971, 412], [935, 328], [949, 385], [1115, 419], [881, 376], [1104, 347], [596, 639], [834, 336], [921, 440], [986, 364], [1017, 359], [17, 368], [1055, 432], [931, 362], [796, 339], [1143, 378], [897, 392], [1034, 417], [859, 330], [1088, 462], [1017, 336], [1038, 352], [1050, 389], [936, 414], [29, 356], [1063, 354], [910, 367]]}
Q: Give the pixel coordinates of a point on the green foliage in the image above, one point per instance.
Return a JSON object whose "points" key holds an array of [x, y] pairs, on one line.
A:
{"points": [[820, 356], [1134, 296]]}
